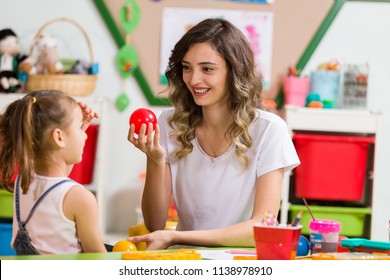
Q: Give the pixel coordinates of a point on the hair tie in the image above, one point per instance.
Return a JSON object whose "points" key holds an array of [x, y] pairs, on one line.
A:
{"points": [[34, 100]]}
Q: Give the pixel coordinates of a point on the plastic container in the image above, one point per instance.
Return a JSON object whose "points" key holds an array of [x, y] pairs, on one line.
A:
{"points": [[324, 236], [326, 84], [365, 245], [352, 219], [5, 240], [355, 85], [333, 167], [82, 172], [295, 90], [276, 243], [6, 202]]}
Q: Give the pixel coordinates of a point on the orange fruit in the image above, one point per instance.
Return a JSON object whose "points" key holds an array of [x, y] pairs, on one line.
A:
{"points": [[124, 246]]}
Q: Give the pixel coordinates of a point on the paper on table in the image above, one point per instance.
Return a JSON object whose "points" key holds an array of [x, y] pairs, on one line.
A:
{"points": [[224, 254]]}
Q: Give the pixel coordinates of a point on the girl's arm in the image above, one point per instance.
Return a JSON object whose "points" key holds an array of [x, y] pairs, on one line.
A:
{"points": [[80, 206], [88, 115], [267, 198]]}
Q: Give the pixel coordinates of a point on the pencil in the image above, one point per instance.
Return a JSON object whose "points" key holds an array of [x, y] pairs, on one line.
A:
{"points": [[297, 219]]}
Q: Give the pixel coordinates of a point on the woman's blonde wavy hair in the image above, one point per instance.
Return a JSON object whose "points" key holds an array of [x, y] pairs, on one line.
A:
{"points": [[244, 86]]}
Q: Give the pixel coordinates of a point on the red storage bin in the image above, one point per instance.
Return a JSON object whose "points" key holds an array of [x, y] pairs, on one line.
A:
{"points": [[333, 167], [13, 178], [82, 172]]}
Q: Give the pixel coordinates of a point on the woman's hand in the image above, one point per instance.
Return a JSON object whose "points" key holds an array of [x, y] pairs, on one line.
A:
{"points": [[88, 115], [157, 240], [149, 142]]}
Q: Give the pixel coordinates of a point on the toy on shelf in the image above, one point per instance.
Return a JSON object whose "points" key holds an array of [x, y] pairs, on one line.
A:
{"points": [[325, 82], [51, 72], [12, 62], [270, 104], [48, 61]]}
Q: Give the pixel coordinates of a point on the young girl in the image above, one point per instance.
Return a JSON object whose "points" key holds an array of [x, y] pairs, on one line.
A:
{"points": [[216, 151], [43, 135]]}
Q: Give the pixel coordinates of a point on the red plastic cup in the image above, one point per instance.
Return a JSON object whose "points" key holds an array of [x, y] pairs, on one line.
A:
{"points": [[277, 242]]}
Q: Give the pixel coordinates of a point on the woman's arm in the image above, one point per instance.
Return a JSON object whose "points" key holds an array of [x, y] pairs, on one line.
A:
{"points": [[157, 190], [156, 195], [267, 198], [80, 206]]}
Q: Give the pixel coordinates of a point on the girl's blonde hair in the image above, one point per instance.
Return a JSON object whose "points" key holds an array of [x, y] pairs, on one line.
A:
{"points": [[244, 86], [25, 129]]}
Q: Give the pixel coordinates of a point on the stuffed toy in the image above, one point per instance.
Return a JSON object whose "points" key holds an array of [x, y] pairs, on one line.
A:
{"points": [[12, 62], [48, 61], [80, 67]]}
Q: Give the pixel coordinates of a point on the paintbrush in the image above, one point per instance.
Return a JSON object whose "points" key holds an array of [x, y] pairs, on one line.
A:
{"points": [[308, 208]]}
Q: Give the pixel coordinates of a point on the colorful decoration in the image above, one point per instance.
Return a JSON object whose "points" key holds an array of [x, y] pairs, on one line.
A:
{"points": [[122, 101], [269, 220], [127, 57]]}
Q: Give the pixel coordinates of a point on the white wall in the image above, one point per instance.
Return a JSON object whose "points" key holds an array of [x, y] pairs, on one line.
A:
{"points": [[124, 162]]}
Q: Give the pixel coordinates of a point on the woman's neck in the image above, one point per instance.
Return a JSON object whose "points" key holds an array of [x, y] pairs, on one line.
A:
{"points": [[217, 120]]}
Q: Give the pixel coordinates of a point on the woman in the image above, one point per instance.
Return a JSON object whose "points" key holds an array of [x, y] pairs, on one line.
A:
{"points": [[216, 151]]}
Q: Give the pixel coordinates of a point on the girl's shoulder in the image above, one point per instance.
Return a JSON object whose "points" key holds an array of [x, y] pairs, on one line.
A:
{"points": [[52, 179]]}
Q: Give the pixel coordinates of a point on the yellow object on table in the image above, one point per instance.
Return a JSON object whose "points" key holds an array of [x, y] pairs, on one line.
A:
{"points": [[142, 230], [124, 246], [180, 254], [350, 256]]}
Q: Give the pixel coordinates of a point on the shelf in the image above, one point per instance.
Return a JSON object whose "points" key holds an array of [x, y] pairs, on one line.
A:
{"points": [[342, 121], [334, 120]]}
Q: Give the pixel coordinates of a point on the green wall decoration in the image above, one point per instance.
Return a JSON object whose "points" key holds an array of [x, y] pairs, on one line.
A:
{"points": [[121, 42]]}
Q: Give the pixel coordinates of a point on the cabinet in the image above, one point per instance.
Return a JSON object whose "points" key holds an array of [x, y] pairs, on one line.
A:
{"points": [[100, 105], [339, 122]]}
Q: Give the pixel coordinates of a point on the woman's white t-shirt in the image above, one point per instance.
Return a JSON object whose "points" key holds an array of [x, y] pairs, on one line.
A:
{"points": [[217, 193]]}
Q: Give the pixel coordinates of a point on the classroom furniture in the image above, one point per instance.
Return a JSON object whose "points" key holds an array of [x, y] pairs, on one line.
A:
{"points": [[340, 122], [98, 183], [218, 253]]}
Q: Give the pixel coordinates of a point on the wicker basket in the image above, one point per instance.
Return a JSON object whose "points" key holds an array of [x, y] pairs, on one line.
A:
{"points": [[73, 84]]}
